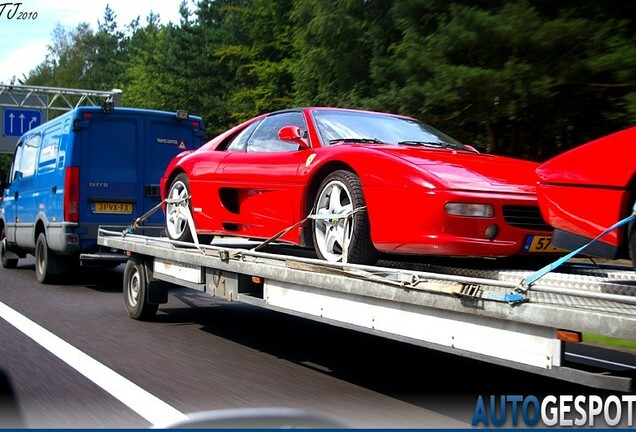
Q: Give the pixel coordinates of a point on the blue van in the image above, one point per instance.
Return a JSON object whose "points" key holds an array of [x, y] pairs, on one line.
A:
{"points": [[91, 166]]}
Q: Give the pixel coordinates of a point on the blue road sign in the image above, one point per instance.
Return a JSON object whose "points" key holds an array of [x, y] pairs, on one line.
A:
{"points": [[19, 121]]}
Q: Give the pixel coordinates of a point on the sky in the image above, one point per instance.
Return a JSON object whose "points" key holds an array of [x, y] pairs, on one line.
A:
{"points": [[23, 42]]}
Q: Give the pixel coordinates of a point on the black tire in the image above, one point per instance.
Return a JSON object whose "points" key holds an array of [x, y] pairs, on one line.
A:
{"points": [[360, 247], [44, 260], [176, 227], [631, 239], [136, 291], [8, 263]]}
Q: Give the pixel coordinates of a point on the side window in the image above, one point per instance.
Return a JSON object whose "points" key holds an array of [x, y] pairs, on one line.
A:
{"points": [[265, 137], [29, 153], [238, 142], [15, 165], [63, 143], [48, 151]]}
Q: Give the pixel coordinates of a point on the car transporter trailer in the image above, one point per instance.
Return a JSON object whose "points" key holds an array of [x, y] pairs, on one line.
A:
{"points": [[488, 315]]}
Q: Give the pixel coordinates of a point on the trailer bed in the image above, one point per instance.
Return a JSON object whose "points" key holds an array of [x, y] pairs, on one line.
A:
{"points": [[486, 315]]}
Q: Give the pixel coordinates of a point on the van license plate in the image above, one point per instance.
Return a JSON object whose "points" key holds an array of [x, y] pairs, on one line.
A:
{"points": [[117, 208], [538, 243]]}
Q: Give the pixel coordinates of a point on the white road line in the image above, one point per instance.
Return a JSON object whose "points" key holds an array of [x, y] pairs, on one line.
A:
{"points": [[139, 400], [601, 361]]}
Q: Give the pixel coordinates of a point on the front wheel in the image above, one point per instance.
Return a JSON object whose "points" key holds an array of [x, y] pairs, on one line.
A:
{"points": [[136, 290], [9, 263], [341, 228]]}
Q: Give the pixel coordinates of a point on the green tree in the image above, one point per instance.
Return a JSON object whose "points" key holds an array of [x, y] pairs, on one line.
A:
{"points": [[5, 164], [103, 54], [144, 70], [525, 78], [65, 63], [262, 58], [332, 51], [506, 79], [205, 82], [248, 45]]}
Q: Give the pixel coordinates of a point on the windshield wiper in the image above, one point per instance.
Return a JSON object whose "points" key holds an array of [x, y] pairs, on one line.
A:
{"points": [[425, 143], [357, 140]]}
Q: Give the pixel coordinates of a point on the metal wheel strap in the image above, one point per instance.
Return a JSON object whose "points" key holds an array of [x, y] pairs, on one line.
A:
{"points": [[311, 215], [141, 219]]}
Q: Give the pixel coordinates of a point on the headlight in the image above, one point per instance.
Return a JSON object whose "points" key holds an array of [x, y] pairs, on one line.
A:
{"points": [[469, 210]]}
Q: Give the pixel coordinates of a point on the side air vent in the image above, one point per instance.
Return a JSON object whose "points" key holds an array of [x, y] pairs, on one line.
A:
{"points": [[525, 217]]}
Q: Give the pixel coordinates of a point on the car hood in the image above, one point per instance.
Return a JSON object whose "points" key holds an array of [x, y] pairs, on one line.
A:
{"points": [[470, 171]]}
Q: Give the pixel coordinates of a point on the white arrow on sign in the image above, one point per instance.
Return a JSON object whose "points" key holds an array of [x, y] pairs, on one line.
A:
{"points": [[18, 122]]}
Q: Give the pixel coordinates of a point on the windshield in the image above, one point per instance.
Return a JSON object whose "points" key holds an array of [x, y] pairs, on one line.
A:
{"points": [[367, 127]]}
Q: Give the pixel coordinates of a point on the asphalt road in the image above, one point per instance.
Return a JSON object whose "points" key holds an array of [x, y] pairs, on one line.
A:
{"points": [[205, 354]]}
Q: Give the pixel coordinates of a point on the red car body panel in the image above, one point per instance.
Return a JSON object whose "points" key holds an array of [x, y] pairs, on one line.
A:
{"points": [[405, 189], [589, 188]]}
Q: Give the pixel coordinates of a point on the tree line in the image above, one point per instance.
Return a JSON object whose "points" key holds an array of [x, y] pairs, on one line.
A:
{"points": [[523, 78]]}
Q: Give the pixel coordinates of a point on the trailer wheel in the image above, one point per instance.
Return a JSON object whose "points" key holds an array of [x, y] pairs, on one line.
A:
{"points": [[45, 260], [340, 193], [9, 263], [136, 291]]}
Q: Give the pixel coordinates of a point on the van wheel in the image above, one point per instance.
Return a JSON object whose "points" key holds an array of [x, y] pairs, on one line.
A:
{"points": [[9, 263], [136, 291], [44, 260]]}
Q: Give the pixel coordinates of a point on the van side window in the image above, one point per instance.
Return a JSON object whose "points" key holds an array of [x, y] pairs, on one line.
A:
{"points": [[48, 151], [29, 153], [15, 165], [61, 151]]}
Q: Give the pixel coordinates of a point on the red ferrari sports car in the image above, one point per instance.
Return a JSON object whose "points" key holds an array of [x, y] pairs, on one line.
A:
{"points": [[353, 184], [588, 189]]}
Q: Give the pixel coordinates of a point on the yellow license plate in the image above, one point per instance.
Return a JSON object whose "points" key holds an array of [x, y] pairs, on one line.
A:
{"points": [[116, 208], [538, 243]]}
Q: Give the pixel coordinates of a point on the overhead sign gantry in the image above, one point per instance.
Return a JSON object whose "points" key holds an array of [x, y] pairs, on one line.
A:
{"points": [[25, 107]]}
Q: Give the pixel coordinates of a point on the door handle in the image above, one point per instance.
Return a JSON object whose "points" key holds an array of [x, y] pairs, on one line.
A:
{"points": [[15, 195], [54, 189]]}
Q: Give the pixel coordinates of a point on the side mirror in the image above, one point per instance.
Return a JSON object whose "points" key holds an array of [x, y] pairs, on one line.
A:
{"points": [[471, 148], [292, 134]]}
